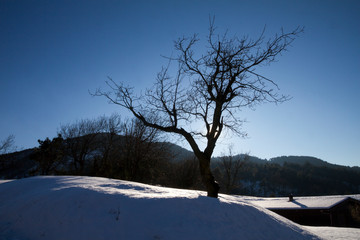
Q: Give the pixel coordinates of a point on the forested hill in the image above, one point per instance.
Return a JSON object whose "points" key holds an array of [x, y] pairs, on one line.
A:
{"points": [[281, 176], [299, 160], [170, 165]]}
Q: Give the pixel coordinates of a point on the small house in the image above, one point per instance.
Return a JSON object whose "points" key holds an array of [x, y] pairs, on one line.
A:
{"points": [[338, 211]]}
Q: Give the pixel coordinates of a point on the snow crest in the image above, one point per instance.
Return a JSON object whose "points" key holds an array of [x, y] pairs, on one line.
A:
{"points": [[71, 207]]}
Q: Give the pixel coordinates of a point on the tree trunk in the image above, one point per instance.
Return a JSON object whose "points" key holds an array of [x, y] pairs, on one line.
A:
{"points": [[212, 187]]}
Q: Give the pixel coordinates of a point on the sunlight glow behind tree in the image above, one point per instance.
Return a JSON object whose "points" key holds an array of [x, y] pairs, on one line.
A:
{"points": [[222, 80]]}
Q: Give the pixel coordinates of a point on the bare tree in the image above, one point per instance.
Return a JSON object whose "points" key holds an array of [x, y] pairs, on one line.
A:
{"points": [[141, 152], [185, 174], [79, 140], [107, 145], [207, 89], [7, 145], [230, 166]]}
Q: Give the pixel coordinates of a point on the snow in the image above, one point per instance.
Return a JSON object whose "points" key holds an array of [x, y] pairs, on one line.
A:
{"points": [[5, 180], [332, 233], [318, 202], [72, 207]]}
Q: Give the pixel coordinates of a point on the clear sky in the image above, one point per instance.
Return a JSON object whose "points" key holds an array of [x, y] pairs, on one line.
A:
{"points": [[53, 52]]}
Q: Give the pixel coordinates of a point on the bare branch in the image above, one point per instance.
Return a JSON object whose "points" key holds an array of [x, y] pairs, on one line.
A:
{"points": [[219, 83], [7, 145]]}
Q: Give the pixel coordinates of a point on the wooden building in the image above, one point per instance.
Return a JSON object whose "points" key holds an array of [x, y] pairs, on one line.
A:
{"points": [[338, 211]]}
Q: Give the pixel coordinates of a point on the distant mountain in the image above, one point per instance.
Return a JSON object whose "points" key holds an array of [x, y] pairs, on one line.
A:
{"points": [[244, 157], [177, 153], [16, 164], [279, 176], [301, 160], [20, 164]]}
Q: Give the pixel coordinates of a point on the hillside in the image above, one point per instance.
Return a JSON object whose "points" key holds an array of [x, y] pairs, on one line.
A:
{"points": [[170, 165], [280, 176], [16, 164], [301, 160], [66, 207]]}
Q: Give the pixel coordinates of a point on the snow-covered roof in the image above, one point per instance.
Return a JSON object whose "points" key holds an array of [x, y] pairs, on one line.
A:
{"points": [[318, 202]]}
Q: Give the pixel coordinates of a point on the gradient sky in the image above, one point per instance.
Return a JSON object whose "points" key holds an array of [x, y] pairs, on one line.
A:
{"points": [[53, 52]]}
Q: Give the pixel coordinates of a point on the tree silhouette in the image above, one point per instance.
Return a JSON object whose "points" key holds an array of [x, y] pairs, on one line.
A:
{"points": [[7, 145], [207, 89]]}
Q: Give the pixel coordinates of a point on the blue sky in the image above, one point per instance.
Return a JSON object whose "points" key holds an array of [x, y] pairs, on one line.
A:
{"points": [[53, 52]]}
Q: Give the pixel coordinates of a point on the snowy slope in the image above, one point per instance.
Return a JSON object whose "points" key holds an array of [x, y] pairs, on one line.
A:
{"points": [[99, 208], [332, 233]]}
